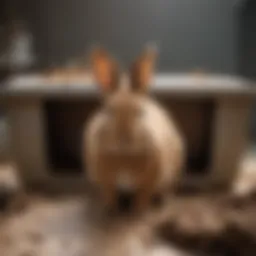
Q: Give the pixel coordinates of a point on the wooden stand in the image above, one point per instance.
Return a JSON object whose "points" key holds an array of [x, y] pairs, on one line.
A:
{"points": [[24, 99]]}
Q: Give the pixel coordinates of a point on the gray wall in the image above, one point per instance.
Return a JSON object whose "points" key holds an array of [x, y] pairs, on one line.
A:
{"points": [[247, 50], [190, 34]]}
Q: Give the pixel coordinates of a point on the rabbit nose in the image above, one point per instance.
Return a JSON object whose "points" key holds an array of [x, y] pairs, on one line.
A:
{"points": [[125, 199]]}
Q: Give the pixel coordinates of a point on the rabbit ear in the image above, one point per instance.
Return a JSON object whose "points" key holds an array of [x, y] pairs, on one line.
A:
{"points": [[142, 69], [104, 69]]}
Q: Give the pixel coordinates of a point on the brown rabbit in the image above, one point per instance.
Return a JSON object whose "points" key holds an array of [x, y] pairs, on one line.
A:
{"points": [[132, 148]]}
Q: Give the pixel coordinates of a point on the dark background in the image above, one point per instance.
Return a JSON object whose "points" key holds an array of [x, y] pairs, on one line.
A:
{"points": [[189, 34], [215, 35]]}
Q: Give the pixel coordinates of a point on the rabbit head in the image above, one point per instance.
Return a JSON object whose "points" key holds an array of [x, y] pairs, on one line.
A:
{"points": [[123, 95]]}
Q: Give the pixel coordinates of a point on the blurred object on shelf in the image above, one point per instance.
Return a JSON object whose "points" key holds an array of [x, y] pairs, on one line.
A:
{"points": [[16, 50], [21, 54], [73, 71], [199, 72]]}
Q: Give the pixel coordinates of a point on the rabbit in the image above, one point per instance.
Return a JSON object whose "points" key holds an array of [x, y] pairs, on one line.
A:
{"points": [[132, 148]]}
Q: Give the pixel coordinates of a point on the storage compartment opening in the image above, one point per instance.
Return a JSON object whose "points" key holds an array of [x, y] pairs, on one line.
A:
{"points": [[195, 120], [65, 123]]}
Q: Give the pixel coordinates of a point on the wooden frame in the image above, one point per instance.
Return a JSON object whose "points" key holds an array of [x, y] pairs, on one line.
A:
{"points": [[232, 97]]}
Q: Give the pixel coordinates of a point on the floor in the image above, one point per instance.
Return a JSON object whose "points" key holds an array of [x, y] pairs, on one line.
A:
{"points": [[72, 226], [65, 226]]}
